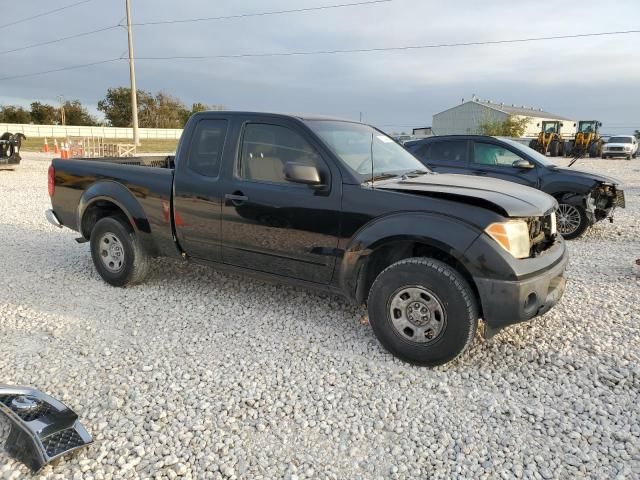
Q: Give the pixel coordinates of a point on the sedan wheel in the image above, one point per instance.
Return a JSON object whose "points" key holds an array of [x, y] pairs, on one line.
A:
{"points": [[572, 220]]}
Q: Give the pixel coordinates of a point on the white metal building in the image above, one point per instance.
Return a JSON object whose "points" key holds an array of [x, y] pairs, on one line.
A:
{"points": [[467, 117]]}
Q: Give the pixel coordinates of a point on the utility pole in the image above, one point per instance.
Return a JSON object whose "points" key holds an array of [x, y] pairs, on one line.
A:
{"points": [[62, 119], [132, 75]]}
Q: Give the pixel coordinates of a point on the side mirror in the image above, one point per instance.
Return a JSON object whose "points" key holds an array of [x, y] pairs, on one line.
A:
{"points": [[525, 164], [562, 124], [575, 124], [299, 173]]}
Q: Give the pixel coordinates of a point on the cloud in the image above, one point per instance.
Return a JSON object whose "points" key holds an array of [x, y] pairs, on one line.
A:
{"points": [[587, 77]]}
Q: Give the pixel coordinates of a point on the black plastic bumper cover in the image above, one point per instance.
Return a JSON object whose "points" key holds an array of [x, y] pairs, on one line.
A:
{"points": [[41, 428], [508, 302]]}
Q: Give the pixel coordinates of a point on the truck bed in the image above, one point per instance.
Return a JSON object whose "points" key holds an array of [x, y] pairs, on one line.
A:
{"points": [[157, 161], [144, 183]]}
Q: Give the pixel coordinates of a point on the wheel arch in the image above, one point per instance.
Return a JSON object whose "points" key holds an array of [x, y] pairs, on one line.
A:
{"points": [[108, 198], [377, 246]]}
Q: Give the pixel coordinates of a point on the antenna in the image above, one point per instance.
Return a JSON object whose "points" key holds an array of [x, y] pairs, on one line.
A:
{"points": [[371, 159]]}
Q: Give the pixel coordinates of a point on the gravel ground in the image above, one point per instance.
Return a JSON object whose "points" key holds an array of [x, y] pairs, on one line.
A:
{"points": [[199, 374]]}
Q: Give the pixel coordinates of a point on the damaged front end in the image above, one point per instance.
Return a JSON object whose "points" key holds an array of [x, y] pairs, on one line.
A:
{"points": [[602, 200], [40, 429]]}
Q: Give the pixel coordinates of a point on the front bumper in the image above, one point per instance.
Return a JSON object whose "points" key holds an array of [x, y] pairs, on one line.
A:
{"points": [[41, 429], [507, 302], [617, 153]]}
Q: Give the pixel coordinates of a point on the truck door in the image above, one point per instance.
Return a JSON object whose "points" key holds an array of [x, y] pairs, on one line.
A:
{"points": [[270, 224], [197, 200]]}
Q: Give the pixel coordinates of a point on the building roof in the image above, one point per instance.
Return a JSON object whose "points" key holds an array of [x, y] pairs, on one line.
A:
{"points": [[515, 110]]}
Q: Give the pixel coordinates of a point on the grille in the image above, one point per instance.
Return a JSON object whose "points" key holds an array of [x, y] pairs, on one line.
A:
{"points": [[540, 233], [61, 442], [616, 149], [40, 410], [620, 201]]}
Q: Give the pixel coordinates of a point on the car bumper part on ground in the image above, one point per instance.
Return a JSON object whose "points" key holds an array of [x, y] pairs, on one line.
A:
{"points": [[507, 302], [40, 429], [52, 218]]}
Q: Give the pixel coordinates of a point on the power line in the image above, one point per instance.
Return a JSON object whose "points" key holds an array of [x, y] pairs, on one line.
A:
{"points": [[77, 35], [325, 52], [388, 49], [22, 20], [72, 67], [244, 15], [260, 14]]}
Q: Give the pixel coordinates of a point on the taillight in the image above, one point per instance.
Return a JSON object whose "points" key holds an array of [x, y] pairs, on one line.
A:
{"points": [[52, 181]]}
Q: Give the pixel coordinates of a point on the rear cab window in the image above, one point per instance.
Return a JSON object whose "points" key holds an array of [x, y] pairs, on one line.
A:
{"points": [[205, 154]]}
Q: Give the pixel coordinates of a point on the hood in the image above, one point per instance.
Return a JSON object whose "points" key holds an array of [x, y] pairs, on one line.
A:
{"points": [[585, 174], [507, 198]]}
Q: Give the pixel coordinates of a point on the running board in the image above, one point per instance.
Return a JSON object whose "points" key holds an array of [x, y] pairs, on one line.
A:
{"points": [[41, 429]]}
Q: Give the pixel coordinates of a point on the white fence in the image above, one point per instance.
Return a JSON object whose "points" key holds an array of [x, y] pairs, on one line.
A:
{"points": [[63, 131]]}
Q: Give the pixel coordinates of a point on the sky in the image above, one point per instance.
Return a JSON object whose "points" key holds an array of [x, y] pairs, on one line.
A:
{"points": [[583, 78]]}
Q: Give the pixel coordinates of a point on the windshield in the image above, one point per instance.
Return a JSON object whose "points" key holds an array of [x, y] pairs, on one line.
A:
{"points": [[586, 127], [354, 144], [537, 156], [619, 140]]}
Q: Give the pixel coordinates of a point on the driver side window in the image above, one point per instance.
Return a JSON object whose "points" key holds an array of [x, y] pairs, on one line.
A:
{"points": [[493, 155], [267, 148]]}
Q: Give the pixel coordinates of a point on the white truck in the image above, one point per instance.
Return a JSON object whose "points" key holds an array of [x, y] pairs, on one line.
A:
{"points": [[621, 146]]}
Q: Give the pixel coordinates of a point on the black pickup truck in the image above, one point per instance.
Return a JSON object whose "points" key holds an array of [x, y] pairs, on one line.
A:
{"points": [[327, 204]]}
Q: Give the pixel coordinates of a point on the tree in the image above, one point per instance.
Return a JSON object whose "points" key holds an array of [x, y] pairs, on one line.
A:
{"points": [[169, 112], [44, 114], [14, 114], [637, 134], [76, 114], [116, 106], [511, 127]]}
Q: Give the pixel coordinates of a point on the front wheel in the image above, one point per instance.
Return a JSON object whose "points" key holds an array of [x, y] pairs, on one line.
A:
{"points": [[117, 254], [572, 220], [423, 311]]}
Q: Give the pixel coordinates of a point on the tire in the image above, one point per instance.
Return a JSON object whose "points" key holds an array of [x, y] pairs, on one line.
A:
{"points": [[533, 144], [578, 228], [444, 321], [554, 148], [635, 155], [604, 157], [117, 253], [594, 151]]}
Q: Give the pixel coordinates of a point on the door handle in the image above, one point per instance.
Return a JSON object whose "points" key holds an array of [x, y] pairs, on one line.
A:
{"points": [[236, 198], [477, 172]]}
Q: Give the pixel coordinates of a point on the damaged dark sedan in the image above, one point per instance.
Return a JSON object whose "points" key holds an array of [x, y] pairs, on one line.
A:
{"points": [[584, 198]]}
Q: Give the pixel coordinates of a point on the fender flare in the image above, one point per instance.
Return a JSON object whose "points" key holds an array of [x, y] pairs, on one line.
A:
{"points": [[448, 234], [119, 195]]}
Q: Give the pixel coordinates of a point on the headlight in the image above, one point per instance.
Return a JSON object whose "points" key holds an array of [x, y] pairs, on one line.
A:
{"points": [[627, 147], [513, 236]]}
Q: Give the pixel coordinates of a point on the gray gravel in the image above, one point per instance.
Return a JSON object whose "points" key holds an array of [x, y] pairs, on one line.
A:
{"points": [[199, 374]]}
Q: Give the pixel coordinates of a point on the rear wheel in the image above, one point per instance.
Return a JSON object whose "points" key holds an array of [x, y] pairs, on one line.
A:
{"points": [[423, 311], [572, 220], [554, 148], [117, 254]]}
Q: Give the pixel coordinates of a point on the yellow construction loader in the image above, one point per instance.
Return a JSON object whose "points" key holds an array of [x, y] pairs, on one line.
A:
{"points": [[587, 140], [549, 139]]}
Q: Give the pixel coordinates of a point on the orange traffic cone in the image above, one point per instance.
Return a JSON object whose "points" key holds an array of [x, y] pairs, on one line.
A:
{"points": [[56, 148], [45, 147], [63, 151]]}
